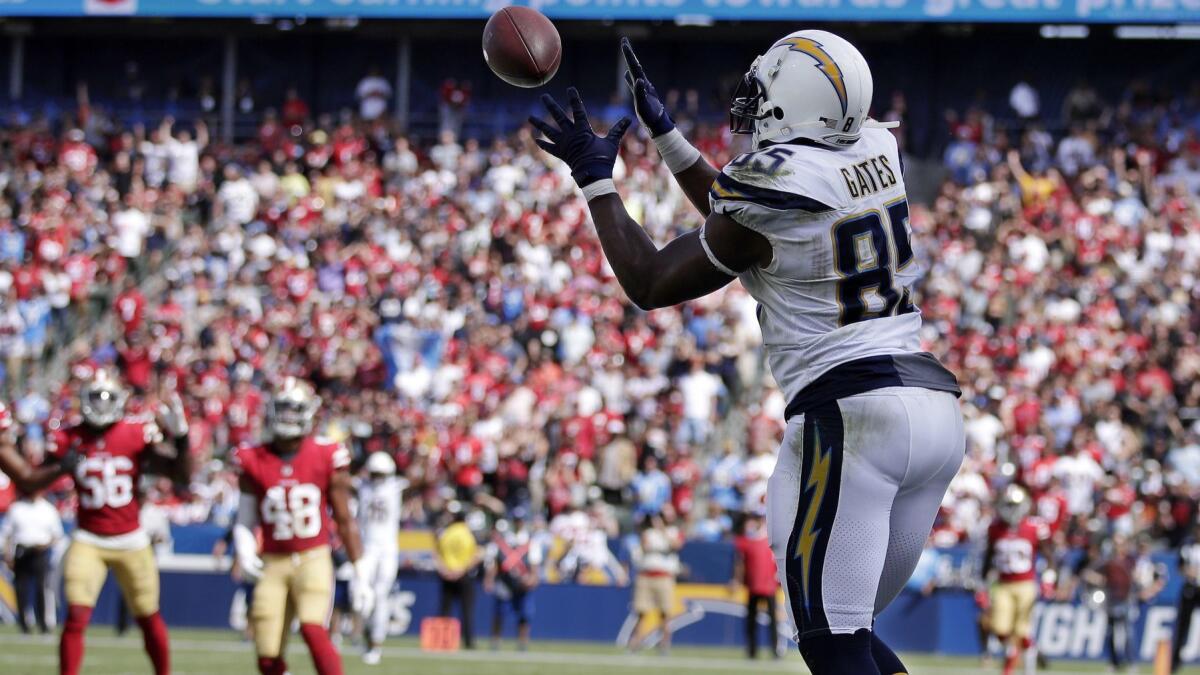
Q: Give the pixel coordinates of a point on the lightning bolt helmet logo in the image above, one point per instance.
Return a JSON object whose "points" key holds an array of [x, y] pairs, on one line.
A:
{"points": [[824, 63]]}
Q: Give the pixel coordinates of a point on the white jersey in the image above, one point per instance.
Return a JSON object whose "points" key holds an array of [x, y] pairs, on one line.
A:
{"points": [[839, 287], [379, 513]]}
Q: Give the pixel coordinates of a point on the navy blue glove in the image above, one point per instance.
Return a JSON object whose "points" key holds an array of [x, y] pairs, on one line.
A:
{"points": [[646, 102], [590, 156], [69, 461]]}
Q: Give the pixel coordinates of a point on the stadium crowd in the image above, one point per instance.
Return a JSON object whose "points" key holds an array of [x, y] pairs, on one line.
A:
{"points": [[1064, 292], [453, 308]]}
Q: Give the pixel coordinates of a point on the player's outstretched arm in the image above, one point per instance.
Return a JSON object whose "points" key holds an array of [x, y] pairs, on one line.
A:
{"points": [[26, 478], [245, 544], [682, 270], [172, 457], [690, 266], [692, 172], [341, 487]]}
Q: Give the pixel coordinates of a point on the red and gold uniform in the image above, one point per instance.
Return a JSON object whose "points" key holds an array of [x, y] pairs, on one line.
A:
{"points": [[291, 494], [1014, 552], [109, 536]]}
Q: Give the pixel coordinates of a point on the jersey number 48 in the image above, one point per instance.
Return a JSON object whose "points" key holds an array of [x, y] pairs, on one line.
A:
{"points": [[869, 249], [293, 512]]}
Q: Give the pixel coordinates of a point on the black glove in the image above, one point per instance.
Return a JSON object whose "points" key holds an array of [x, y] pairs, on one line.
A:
{"points": [[646, 102], [69, 461], [591, 157]]}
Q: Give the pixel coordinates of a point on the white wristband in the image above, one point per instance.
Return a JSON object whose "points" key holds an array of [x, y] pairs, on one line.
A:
{"points": [[600, 187], [676, 151]]}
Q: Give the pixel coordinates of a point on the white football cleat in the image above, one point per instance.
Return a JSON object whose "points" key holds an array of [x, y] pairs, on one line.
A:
{"points": [[371, 657]]}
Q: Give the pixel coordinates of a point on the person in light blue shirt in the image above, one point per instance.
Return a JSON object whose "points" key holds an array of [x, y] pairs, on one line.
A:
{"points": [[651, 489], [12, 243], [723, 474], [715, 526], [36, 313]]}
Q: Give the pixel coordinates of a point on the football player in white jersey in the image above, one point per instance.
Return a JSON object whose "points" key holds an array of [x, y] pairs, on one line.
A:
{"points": [[379, 500], [814, 223]]}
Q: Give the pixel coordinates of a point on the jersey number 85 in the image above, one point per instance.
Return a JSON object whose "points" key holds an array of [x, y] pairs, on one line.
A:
{"points": [[869, 249]]}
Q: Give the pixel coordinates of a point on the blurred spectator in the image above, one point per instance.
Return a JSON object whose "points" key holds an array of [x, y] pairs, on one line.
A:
{"points": [[132, 226], [754, 568], [700, 390], [616, 463], [1113, 573], [455, 97], [237, 200], [651, 488], [1081, 104], [685, 477], [1076, 151], [294, 111], [245, 96], [30, 531], [716, 525], [446, 153], [1024, 100], [512, 570], [657, 563], [183, 154], [373, 93], [458, 557]]}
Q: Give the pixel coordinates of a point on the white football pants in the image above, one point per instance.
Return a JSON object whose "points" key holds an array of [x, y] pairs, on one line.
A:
{"points": [[382, 566], [852, 500]]}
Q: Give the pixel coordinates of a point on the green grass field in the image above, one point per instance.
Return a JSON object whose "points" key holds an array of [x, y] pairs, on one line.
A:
{"points": [[223, 653]]}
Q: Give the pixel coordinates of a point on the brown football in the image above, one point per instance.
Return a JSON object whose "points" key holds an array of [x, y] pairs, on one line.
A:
{"points": [[522, 47]]}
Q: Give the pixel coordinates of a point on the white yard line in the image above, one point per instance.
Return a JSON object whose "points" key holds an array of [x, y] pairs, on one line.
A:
{"points": [[481, 656]]}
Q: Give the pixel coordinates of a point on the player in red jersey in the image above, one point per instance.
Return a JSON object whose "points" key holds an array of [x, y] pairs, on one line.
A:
{"points": [[1014, 539], [110, 451], [288, 486], [25, 478]]}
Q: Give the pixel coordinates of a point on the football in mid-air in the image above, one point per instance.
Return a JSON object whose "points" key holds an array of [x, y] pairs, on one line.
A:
{"points": [[522, 47]]}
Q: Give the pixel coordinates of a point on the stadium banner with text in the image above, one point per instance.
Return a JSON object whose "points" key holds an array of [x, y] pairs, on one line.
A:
{"points": [[197, 594], [1054, 11]]}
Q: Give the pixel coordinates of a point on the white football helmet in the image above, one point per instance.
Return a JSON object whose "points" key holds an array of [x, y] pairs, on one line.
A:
{"points": [[381, 464], [102, 400], [292, 409], [812, 84]]}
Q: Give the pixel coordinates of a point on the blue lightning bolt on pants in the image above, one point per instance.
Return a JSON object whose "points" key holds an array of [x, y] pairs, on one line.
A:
{"points": [[852, 500]]}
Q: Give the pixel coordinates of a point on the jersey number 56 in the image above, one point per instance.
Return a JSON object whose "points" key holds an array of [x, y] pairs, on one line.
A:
{"points": [[105, 481], [868, 250]]}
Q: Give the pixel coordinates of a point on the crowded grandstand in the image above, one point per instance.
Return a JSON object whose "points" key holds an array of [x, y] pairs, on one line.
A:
{"points": [[436, 278]]}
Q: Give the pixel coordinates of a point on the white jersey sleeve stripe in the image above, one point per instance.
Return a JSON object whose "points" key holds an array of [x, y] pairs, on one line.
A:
{"points": [[712, 257]]}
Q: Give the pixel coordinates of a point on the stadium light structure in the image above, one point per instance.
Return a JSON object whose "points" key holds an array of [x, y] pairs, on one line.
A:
{"points": [[1064, 32]]}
